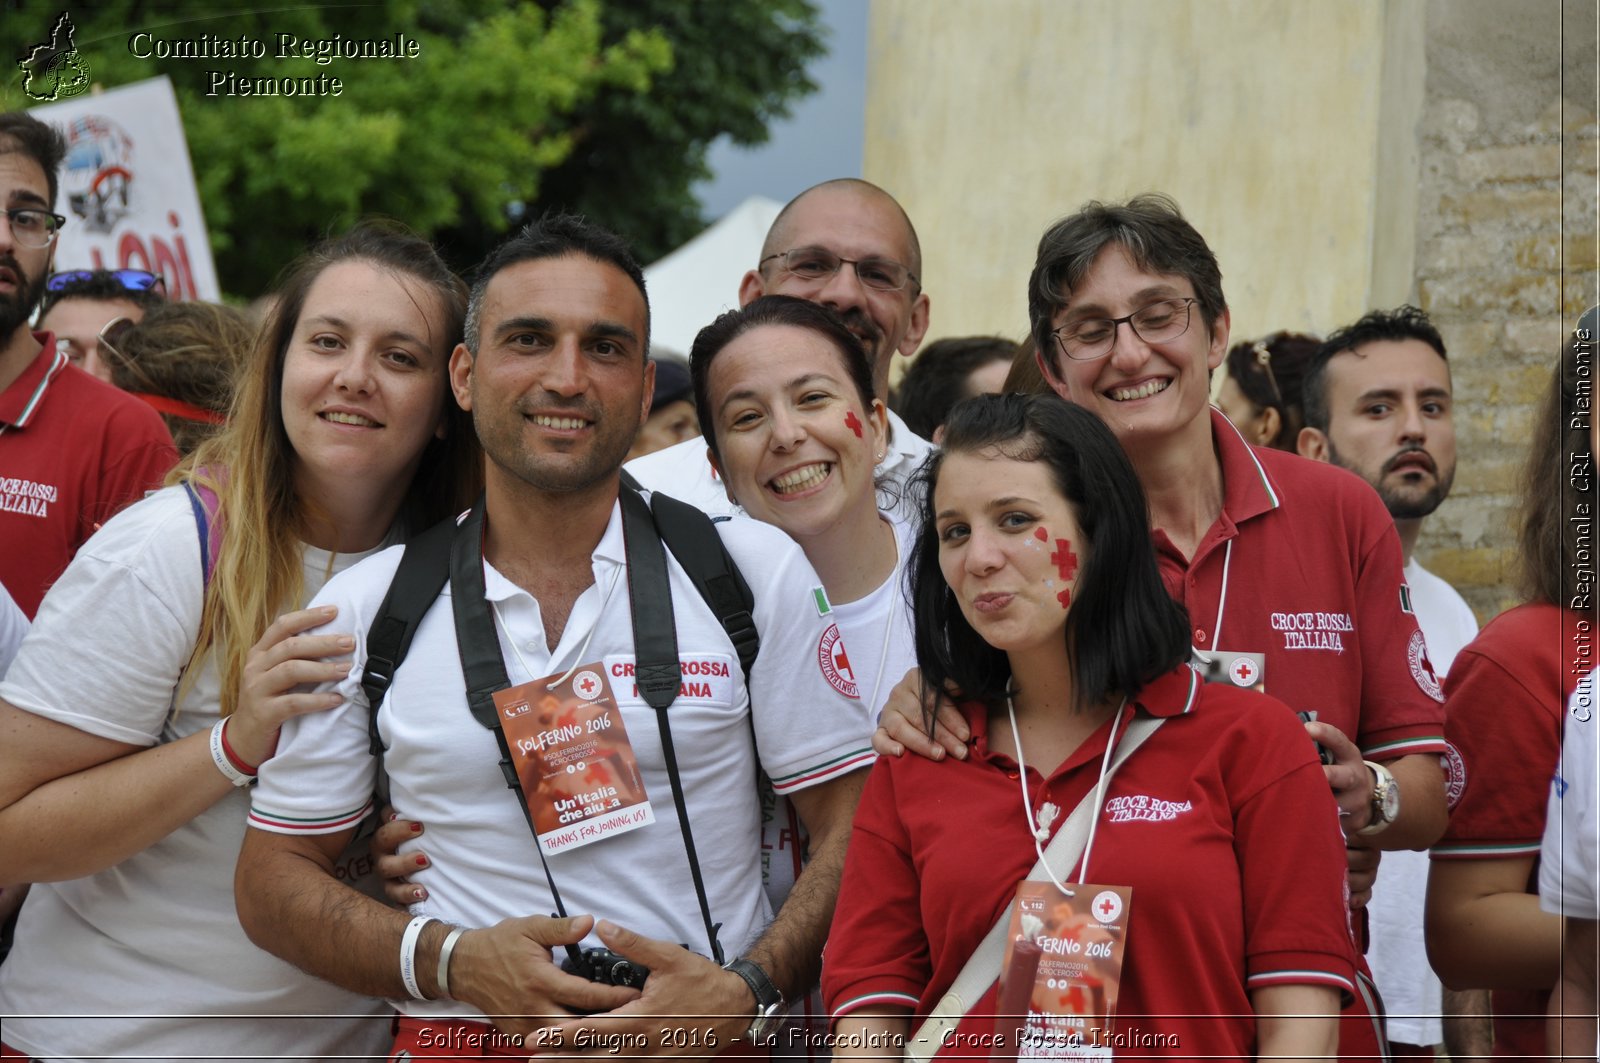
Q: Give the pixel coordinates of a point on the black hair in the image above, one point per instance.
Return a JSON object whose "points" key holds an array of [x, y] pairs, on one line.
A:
{"points": [[1287, 355], [1123, 630], [556, 236], [937, 379], [1154, 233], [772, 310], [1402, 323], [43, 143], [101, 286]]}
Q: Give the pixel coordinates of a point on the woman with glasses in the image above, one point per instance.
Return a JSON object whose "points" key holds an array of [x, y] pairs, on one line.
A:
{"points": [[1261, 392], [1188, 922], [158, 672]]}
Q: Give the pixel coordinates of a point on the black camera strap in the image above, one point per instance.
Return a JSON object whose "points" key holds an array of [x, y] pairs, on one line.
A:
{"points": [[656, 668], [479, 647]]}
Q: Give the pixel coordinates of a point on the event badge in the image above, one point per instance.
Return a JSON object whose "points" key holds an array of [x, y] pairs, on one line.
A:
{"points": [[1248, 671], [578, 771], [1062, 971]]}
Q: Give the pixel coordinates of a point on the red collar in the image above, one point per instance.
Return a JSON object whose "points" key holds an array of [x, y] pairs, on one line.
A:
{"points": [[20, 401]]}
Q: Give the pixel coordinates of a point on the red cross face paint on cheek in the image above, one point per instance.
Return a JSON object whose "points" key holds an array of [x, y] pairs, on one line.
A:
{"points": [[1066, 563], [852, 422]]}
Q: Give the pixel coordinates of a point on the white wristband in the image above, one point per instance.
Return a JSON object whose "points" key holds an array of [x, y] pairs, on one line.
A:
{"points": [[445, 950], [408, 955], [220, 758]]}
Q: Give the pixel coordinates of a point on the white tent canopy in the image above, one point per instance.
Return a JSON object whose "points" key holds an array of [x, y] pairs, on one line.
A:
{"points": [[692, 285]]}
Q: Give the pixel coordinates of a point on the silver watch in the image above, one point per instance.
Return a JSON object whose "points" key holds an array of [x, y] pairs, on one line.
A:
{"points": [[1385, 800]]}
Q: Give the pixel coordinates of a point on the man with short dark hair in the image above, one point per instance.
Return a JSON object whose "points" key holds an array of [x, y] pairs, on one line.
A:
{"points": [[1378, 402], [554, 371], [79, 305], [73, 451], [848, 245]]}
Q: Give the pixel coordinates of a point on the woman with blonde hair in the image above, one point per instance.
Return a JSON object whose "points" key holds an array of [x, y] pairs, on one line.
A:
{"points": [[158, 672]]}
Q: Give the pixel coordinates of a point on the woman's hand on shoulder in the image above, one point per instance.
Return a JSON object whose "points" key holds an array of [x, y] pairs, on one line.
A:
{"points": [[901, 726], [277, 668]]}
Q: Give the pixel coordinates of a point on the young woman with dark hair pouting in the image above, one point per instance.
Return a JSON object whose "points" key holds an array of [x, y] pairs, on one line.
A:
{"points": [[158, 671], [1194, 925]]}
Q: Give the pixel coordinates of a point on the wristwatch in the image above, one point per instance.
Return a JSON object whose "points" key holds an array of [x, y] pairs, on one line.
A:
{"points": [[1385, 800], [769, 1002]]}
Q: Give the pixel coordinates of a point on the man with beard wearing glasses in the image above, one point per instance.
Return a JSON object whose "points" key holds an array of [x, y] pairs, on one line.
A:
{"points": [[1378, 402], [72, 450], [848, 245]]}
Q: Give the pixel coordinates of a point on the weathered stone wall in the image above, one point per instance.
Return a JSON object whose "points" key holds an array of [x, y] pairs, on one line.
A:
{"points": [[1505, 250]]}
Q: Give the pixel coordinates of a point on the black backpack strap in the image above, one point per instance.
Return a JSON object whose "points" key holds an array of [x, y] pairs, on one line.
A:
{"points": [[692, 537], [417, 582]]}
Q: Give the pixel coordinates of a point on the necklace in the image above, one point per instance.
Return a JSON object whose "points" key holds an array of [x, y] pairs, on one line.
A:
{"points": [[1048, 812]]}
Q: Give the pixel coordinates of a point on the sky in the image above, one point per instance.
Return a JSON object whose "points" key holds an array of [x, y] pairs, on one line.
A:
{"points": [[821, 140]]}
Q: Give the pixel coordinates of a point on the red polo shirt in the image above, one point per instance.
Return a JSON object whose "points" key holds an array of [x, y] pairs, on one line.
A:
{"points": [[1505, 697], [1227, 895], [1304, 566], [73, 451]]}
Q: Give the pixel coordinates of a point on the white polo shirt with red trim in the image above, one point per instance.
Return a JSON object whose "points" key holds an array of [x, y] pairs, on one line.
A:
{"points": [[443, 767], [1226, 898], [73, 451]]}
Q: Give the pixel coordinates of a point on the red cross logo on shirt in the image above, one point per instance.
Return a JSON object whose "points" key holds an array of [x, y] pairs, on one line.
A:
{"points": [[1243, 672]]}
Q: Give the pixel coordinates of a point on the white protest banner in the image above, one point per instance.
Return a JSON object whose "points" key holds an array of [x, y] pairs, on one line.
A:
{"points": [[128, 190]]}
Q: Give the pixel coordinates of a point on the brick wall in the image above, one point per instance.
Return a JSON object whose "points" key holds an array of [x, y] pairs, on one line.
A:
{"points": [[1506, 256]]}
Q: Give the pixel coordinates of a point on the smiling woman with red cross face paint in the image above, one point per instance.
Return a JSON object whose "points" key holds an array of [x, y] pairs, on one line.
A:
{"points": [[1037, 594], [795, 431]]}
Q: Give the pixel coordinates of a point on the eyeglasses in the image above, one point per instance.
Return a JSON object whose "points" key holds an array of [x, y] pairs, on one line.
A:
{"points": [[818, 264], [33, 227], [132, 280], [1092, 338]]}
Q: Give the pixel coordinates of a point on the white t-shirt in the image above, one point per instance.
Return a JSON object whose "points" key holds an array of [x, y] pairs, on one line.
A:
{"points": [[684, 472], [443, 767], [1397, 954], [157, 935], [878, 629], [1569, 859], [13, 626]]}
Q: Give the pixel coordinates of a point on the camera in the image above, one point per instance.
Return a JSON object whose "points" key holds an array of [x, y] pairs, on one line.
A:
{"points": [[605, 967]]}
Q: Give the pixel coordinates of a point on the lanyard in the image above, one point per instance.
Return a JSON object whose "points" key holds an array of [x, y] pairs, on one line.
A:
{"points": [[1048, 811], [583, 651]]}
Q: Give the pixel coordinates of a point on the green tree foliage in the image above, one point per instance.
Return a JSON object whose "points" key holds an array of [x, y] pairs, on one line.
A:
{"points": [[498, 96], [739, 64]]}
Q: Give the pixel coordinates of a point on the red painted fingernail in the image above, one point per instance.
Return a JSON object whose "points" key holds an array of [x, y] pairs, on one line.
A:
{"points": [[422, 861], [416, 828], [419, 894]]}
